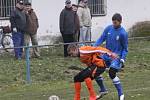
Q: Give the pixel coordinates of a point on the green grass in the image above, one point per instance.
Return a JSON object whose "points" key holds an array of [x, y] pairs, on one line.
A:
{"points": [[53, 75]]}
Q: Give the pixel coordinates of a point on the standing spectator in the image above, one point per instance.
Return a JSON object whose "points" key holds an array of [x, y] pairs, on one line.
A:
{"points": [[18, 26], [67, 25], [31, 30], [85, 21], [77, 23]]}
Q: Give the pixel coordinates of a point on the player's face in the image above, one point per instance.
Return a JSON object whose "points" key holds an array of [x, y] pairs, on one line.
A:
{"points": [[116, 23]]}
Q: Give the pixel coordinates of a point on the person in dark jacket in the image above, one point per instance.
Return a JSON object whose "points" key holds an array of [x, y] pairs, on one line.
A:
{"points": [[67, 25], [77, 23], [31, 29], [18, 26]]}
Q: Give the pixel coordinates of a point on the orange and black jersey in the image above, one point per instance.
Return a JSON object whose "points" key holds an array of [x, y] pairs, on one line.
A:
{"points": [[91, 55]]}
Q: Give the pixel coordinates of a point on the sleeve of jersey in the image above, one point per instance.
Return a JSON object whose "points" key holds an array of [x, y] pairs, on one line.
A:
{"points": [[124, 42], [102, 37], [90, 55]]}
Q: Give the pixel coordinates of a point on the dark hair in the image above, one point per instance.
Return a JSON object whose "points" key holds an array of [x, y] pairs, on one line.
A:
{"points": [[74, 5], [28, 3], [117, 17]]}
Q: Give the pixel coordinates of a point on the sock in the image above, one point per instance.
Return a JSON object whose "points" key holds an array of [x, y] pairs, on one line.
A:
{"points": [[116, 82], [100, 83], [77, 87], [89, 85]]}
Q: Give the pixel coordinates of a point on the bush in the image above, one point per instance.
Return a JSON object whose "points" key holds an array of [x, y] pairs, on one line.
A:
{"points": [[140, 29]]}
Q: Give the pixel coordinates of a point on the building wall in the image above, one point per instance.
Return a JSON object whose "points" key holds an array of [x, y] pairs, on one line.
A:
{"points": [[132, 11], [48, 12]]}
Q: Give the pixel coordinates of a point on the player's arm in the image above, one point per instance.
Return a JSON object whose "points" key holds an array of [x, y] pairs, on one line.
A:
{"points": [[102, 37], [124, 43]]}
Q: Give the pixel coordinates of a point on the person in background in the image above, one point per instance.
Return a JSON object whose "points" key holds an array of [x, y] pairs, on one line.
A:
{"points": [[85, 21], [31, 29], [77, 23], [117, 41], [67, 25], [18, 26]]}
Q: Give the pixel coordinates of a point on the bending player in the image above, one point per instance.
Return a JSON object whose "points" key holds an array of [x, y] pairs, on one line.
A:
{"points": [[94, 58]]}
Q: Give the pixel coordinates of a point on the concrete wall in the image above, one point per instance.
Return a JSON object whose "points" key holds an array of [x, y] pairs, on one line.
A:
{"points": [[48, 12], [132, 11]]}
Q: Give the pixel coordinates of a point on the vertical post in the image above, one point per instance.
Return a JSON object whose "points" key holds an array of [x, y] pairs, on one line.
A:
{"points": [[28, 65]]}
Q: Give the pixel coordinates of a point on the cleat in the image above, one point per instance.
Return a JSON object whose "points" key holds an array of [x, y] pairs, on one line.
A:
{"points": [[101, 95], [121, 97]]}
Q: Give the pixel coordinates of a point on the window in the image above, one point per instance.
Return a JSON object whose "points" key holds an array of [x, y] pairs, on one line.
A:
{"points": [[98, 7], [6, 6]]}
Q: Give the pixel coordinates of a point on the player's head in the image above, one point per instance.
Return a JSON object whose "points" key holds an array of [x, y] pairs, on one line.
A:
{"points": [[73, 50], [117, 19]]}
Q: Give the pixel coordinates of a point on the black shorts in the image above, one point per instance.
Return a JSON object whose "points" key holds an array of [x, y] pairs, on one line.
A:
{"points": [[88, 72]]}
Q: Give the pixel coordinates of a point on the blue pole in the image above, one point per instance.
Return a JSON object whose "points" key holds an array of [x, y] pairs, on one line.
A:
{"points": [[28, 65]]}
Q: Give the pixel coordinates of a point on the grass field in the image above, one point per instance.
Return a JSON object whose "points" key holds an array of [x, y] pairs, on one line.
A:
{"points": [[52, 75]]}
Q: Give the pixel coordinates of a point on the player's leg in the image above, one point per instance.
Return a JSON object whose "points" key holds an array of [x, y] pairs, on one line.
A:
{"points": [[88, 82], [99, 79], [115, 66], [100, 82], [96, 71], [77, 82], [84, 76], [77, 87]]}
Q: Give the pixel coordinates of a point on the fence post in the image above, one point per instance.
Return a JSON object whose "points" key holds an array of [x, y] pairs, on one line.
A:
{"points": [[28, 78]]}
